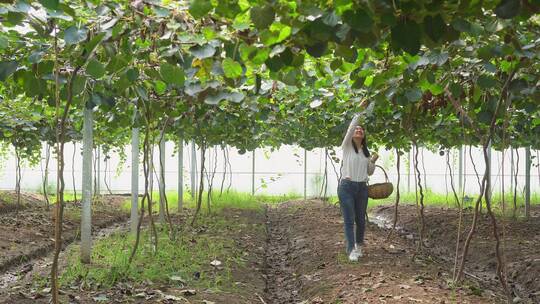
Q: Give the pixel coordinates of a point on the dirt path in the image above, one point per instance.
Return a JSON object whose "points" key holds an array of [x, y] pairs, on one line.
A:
{"points": [[294, 253], [307, 264], [521, 245], [28, 233], [244, 229], [281, 284]]}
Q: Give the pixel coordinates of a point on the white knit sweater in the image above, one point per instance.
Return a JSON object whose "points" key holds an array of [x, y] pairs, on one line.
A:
{"points": [[355, 166]]}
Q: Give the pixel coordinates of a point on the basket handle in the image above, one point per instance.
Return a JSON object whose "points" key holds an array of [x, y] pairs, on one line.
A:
{"points": [[385, 175]]}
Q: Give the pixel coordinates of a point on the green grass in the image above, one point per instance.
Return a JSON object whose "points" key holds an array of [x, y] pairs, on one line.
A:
{"points": [[230, 199], [187, 259], [442, 200]]}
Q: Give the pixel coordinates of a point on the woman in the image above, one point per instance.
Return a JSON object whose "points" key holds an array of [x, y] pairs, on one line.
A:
{"points": [[352, 190]]}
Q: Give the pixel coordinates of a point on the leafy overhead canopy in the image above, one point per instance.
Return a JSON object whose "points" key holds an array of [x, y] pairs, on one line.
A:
{"points": [[252, 73]]}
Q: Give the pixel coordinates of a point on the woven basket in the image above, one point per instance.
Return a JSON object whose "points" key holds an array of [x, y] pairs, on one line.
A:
{"points": [[381, 190]]}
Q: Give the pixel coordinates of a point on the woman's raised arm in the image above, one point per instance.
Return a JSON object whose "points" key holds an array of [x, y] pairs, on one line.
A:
{"points": [[350, 131]]}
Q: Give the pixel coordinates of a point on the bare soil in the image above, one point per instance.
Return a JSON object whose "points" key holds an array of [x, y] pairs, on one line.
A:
{"points": [[387, 273], [521, 245], [8, 201], [247, 233], [28, 233], [299, 258]]}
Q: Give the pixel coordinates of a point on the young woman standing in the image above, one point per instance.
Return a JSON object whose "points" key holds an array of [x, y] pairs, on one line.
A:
{"points": [[357, 165]]}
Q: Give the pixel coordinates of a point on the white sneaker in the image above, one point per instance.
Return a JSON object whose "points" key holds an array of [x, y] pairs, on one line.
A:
{"points": [[359, 251], [355, 254]]}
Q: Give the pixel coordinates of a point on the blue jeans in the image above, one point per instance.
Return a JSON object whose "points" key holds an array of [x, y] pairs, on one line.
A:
{"points": [[353, 199]]}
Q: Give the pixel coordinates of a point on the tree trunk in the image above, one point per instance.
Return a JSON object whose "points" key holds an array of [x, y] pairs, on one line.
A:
{"points": [[95, 176], [193, 170], [460, 211], [180, 171], [422, 226], [461, 186], [98, 185], [514, 212], [253, 172], [46, 174], [86, 211], [394, 224], [305, 173], [201, 185], [18, 178], [134, 179], [500, 263], [210, 179], [230, 170], [162, 180], [489, 186], [528, 182], [224, 169], [474, 168], [424, 168], [409, 172], [146, 197], [60, 134], [105, 175], [73, 170]]}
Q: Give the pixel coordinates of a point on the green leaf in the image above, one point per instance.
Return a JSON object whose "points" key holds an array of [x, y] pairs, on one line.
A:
{"points": [[317, 50], [330, 19], [262, 16], [477, 94], [290, 77], [132, 74], [50, 4], [231, 68], [172, 74], [14, 18], [359, 20], [95, 69], [74, 35], [7, 68], [199, 8], [413, 95], [274, 64], [228, 9], [434, 27], [202, 51], [20, 7], [508, 9], [235, 97], [388, 19], [59, 15], [406, 36], [485, 116], [485, 53], [36, 57], [4, 43], [455, 89], [315, 103], [319, 31], [33, 86], [79, 83], [117, 63], [438, 58], [348, 53], [215, 99], [461, 25], [93, 43], [160, 86], [486, 82], [259, 56]]}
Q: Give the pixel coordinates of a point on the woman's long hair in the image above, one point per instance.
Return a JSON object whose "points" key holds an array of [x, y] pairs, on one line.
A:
{"points": [[364, 147]]}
